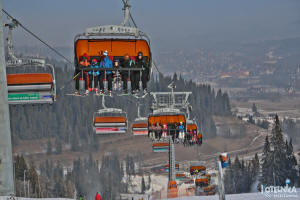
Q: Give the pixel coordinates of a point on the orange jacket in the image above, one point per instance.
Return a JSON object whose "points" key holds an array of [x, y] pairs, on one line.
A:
{"points": [[85, 63]]}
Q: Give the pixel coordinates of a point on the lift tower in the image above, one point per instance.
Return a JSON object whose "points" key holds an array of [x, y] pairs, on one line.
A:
{"points": [[6, 165]]}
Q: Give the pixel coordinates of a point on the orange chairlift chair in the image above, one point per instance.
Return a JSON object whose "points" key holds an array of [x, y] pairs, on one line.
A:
{"points": [[37, 85], [117, 40], [109, 120]]}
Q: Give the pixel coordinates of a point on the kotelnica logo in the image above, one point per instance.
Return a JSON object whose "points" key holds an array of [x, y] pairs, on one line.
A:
{"points": [[280, 191]]}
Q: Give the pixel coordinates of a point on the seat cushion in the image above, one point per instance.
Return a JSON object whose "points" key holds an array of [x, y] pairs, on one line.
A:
{"points": [[27, 79]]}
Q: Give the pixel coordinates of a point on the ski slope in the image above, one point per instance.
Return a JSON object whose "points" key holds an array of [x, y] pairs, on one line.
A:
{"points": [[246, 196], [21, 198]]}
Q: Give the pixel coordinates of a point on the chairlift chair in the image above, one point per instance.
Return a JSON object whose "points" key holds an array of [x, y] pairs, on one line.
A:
{"points": [[140, 127], [202, 181], [117, 40], [197, 170], [160, 147], [110, 121], [28, 88], [167, 116], [31, 88]]}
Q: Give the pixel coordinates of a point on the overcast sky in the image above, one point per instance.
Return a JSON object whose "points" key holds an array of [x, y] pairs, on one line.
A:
{"points": [[170, 23]]}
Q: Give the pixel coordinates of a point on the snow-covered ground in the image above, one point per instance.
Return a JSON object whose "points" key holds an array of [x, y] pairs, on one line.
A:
{"points": [[20, 198], [247, 196]]}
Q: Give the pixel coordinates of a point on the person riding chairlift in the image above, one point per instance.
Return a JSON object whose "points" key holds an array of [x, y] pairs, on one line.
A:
{"points": [[194, 137], [181, 131], [127, 63], [152, 131], [80, 73], [158, 131], [94, 77], [189, 137], [116, 75], [141, 62], [199, 136], [106, 63], [164, 130]]}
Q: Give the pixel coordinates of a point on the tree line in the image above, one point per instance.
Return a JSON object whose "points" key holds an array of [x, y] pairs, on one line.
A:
{"points": [[277, 163], [69, 120], [84, 178]]}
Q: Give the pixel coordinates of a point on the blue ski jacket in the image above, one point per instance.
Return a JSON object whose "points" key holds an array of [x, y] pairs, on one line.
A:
{"points": [[94, 66], [106, 63], [181, 127]]}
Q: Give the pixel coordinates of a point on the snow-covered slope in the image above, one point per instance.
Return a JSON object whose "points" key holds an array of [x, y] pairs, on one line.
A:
{"points": [[20, 198], [247, 196]]}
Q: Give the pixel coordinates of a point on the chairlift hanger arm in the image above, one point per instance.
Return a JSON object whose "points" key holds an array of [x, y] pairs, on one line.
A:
{"points": [[126, 5]]}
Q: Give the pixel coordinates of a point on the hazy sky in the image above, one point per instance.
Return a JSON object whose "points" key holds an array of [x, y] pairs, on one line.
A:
{"points": [[170, 23]]}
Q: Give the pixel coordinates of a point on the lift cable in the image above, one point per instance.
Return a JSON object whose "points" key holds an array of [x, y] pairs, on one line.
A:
{"points": [[156, 67], [35, 36]]}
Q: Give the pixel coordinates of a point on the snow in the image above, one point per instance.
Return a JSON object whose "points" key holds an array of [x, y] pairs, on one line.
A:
{"points": [[21, 198], [158, 183], [246, 196]]}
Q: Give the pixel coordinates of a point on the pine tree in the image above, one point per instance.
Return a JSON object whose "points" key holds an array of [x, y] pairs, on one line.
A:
{"points": [[291, 164], [278, 154], [149, 182], [143, 185], [20, 167], [33, 179], [58, 146], [75, 143], [254, 108], [255, 168], [267, 164], [228, 178], [49, 147]]}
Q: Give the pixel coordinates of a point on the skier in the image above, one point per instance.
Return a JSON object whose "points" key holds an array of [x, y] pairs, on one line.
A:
{"points": [[94, 76], [164, 130], [141, 62], [116, 75], [81, 74], [177, 131], [199, 138], [181, 131], [158, 131], [98, 197], [152, 131], [172, 128], [106, 63], [194, 140], [128, 63]]}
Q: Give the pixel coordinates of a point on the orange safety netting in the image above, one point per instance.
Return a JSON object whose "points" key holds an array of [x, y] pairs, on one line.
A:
{"points": [[115, 47], [26, 79], [165, 119], [140, 125], [191, 127], [110, 120]]}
